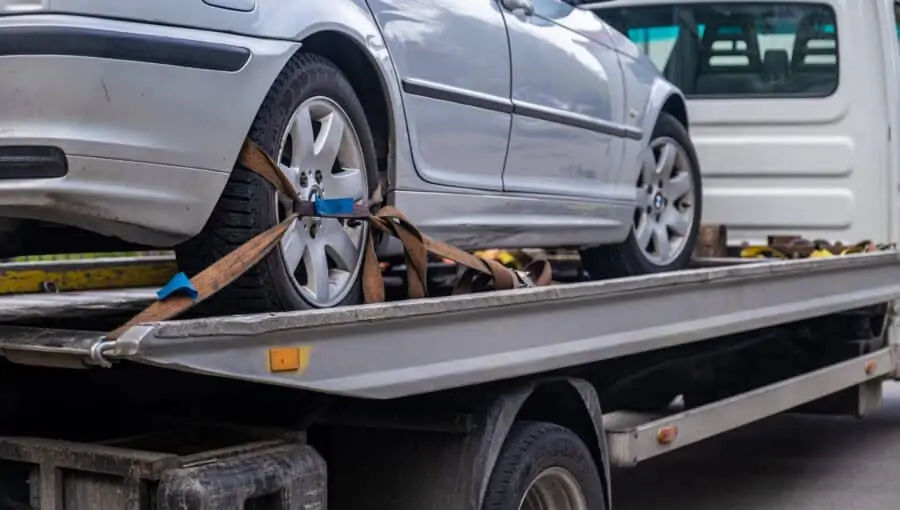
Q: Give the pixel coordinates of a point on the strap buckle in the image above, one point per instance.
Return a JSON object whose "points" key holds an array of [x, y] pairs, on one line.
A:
{"points": [[525, 281]]}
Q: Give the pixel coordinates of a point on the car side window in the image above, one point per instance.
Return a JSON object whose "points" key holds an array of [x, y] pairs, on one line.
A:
{"points": [[552, 9], [715, 50]]}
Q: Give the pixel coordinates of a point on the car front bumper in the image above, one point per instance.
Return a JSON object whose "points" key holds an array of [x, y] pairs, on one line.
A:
{"points": [[150, 119]]}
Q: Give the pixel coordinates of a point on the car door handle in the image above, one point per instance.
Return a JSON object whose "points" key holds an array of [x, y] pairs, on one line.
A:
{"points": [[519, 5]]}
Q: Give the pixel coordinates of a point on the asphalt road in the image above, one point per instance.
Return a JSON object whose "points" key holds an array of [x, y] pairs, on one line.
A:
{"points": [[785, 462]]}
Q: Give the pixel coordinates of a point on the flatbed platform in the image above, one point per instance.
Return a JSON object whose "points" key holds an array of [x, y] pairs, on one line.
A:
{"points": [[413, 347]]}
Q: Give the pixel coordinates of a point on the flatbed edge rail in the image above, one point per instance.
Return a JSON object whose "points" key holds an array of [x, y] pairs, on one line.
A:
{"points": [[392, 350]]}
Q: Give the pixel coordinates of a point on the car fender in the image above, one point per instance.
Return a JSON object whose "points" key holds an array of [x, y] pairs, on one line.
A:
{"points": [[354, 20], [660, 92]]}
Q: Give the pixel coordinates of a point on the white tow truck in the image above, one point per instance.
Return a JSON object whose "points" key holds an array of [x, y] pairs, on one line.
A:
{"points": [[793, 107], [519, 399]]}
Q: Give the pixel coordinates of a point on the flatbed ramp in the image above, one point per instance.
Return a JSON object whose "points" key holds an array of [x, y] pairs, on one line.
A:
{"points": [[392, 350]]}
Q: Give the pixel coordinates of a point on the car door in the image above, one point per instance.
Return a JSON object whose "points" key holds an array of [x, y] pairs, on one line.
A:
{"points": [[453, 60], [568, 129]]}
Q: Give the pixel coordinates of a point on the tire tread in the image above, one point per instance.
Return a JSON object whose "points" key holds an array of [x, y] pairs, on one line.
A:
{"points": [[528, 440]]}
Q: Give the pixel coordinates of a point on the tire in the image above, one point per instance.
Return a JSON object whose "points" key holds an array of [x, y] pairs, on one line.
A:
{"points": [[630, 258], [249, 205], [535, 448]]}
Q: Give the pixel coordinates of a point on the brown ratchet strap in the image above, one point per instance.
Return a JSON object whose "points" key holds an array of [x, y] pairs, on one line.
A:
{"points": [[477, 274]]}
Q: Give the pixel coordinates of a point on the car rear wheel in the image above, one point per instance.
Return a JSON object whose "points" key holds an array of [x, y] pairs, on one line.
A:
{"points": [[314, 127], [667, 210]]}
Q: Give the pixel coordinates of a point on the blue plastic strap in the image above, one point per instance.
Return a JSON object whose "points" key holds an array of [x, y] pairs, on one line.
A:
{"points": [[333, 206], [179, 284]]}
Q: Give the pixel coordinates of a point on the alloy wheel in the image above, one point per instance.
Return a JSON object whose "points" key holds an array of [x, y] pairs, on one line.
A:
{"points": [[322, 156]]}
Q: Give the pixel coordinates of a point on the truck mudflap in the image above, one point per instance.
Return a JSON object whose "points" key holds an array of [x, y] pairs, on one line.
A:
{"points": [[43, 474]]}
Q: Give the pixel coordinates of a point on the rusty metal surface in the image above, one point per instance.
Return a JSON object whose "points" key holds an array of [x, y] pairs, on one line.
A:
{"points": [[86, 457], [87, 476], [47, 347], [712, 242], [293, 477], [73, 304]]}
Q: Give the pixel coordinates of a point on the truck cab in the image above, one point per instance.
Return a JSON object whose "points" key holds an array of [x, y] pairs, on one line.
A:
{"points": [[793, 108]]}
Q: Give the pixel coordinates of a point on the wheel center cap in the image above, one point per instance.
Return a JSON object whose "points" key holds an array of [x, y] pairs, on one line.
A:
{"points": [[658, 201]]}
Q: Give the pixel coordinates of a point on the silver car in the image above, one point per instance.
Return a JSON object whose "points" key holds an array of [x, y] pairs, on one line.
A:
{"points": [[511, 123]]}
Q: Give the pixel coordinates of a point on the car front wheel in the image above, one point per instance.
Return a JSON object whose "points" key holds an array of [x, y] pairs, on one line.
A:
{"points": [[314, 127]]}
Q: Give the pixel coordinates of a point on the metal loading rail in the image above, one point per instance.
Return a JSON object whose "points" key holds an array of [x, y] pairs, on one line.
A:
{"points": [[392, 350]]}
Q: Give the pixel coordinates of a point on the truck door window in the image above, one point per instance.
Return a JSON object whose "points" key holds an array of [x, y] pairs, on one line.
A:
{"points": [[897, 18], [716, 50]]}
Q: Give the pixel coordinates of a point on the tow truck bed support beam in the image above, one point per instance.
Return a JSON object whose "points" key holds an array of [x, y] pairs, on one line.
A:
{"points": [[636, 437]]}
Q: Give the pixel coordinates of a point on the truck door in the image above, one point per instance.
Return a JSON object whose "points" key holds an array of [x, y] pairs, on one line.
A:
{"points": [[453, 61]]}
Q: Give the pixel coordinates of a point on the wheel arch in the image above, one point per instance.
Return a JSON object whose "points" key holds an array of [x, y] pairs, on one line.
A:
{"points": [[663, 97], [676, 106], [359, 66], [568, 402], [446, 445], [353, 42]]}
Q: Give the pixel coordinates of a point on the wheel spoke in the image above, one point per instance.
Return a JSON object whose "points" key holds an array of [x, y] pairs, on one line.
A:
{"points": [[293, 244], [643, 233], [328, 143], [339, 244], [666, 163], [661, 241], [317, 273], [642, 198], [678, 186], [302, 139], [677, 221], [345, 184], [292, 173], [648, 168]]}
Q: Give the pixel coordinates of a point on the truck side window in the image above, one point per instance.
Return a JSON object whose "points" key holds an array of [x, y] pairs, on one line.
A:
{"points": [[717, 50], [897, 18]]}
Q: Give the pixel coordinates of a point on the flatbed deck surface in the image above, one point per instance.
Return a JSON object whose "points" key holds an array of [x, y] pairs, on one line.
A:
{"points": [[398, 349]]}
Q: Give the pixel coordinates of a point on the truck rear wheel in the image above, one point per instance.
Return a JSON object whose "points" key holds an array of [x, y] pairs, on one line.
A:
{"points": [[543, 466]]}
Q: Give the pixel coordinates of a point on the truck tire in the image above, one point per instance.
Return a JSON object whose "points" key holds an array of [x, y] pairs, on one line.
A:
{"points": [[314, 126], [544, 466], [667, 212]]}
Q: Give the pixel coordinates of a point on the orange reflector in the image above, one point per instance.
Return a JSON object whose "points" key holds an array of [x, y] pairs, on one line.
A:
{"points": [[871, 366], [288, 359], [667, 435]]}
